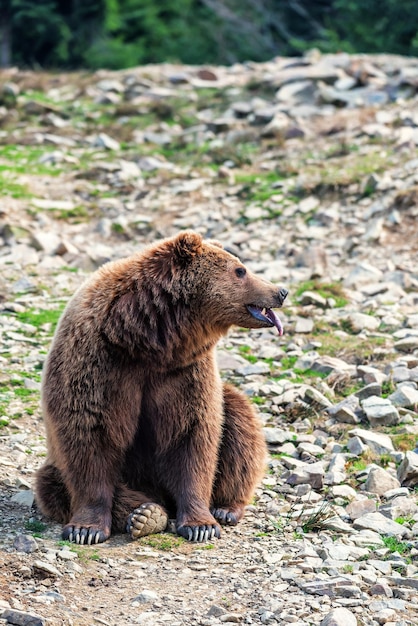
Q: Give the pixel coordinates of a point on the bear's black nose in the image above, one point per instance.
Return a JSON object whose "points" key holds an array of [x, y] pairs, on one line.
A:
{"points": [[282, 295]]}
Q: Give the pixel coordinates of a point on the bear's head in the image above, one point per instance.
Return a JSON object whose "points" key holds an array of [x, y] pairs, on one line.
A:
{"points": [[215, 285]]}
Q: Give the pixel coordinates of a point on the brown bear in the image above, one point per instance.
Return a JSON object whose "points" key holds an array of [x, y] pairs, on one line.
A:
{"points": [[139, 424]]}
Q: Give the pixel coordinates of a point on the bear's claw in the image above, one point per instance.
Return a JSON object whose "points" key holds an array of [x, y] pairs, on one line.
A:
{"points": [[199, 533], [84, 535], [147, 519], [227, 517]]}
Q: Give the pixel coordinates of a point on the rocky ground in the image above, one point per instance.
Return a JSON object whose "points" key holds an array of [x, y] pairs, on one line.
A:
{"points": [[306, 168]]}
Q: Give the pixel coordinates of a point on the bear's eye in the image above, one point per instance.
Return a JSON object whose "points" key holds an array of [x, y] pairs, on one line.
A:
{"points": [[240, 272]]}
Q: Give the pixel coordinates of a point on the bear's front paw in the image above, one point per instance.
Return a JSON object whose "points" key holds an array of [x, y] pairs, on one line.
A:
{"points": [[199, 533], [84, 535], [147, 519]]}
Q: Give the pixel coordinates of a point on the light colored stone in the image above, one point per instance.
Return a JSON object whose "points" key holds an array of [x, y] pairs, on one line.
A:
{"points": [[311, 297], [340, 617], [356, 446], [359, 322], [316, 397], [24, 498], [405, 396], [104, 141], [408, 469], [379, 480], [408, 344], [378, 442], [345, 411], [46, 568], [359, 508], [380, 411], [146, 596], [381, 524], [304, 325]]}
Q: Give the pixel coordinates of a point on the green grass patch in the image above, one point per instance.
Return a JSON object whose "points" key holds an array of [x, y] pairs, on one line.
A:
{"points": [[163, 541], [35, 527], [356, 465], [22, 392], [9, 187], [394, 545], [84, 553], [77, 214], [287, 362], [404, 441], [245, 352], [326, 290], [309, 373], [258, 187], [39, 317]]}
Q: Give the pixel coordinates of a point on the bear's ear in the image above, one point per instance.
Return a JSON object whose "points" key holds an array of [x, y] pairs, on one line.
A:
{"points": [[187, 245], [216, 243]]}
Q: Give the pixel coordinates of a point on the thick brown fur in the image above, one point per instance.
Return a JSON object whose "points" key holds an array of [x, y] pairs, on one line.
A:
{"points": [[134, 406]]}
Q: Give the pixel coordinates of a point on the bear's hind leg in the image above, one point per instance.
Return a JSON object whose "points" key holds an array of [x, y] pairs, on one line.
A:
{"points": [[51, 493], [136, 513], [242, 457]]}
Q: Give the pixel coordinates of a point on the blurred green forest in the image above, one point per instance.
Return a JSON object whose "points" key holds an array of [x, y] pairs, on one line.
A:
{"points": [[123, 33]]}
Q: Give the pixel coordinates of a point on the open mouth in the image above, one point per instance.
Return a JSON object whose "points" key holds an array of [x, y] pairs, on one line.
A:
{"points": [[268, 316]]}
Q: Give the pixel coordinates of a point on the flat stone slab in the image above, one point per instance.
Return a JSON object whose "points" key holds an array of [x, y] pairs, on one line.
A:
{"points": [[381, 524]]}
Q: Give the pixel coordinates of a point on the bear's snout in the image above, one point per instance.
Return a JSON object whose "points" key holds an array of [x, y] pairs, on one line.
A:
{"points": [[282, 295]]}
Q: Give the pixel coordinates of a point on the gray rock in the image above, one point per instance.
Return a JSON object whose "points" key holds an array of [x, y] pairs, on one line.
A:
{"points": [[229, 360], [383, 525], [46, 568], [405, 396], [339, 617], [379, 481], [146, 596], [160, 139], [359, 508], [304, 325], [356, 446], [391, 603], [313, 396], [408, 344], [20, 618], [310, 448], [401, 506], [408, 469], [378, 442], [274, 436], [46, 241], [363, 273], [345, 411], [336, 470], [311, 474], [216, 611], [329, 364], [371, 374], [359, 322], [380, 411], [334, 587], [311, 297], [25, 543], [381, 589], [24, 498], [372, 389], [104, 141], [254, 368]]}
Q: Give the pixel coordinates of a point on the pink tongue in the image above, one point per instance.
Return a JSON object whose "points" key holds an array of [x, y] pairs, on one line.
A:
{"points": [[274, 319]]}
